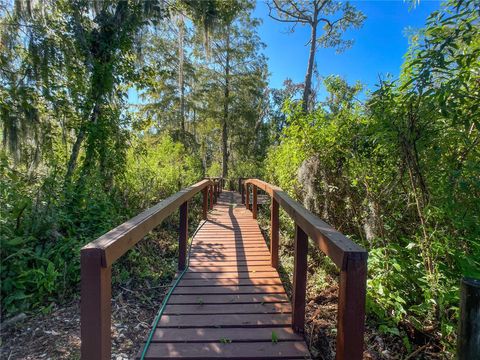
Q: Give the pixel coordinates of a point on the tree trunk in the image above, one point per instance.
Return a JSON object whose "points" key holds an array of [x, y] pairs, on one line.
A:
{"points": [[225, 108], [311, 61], [181, 78], [194, 124], [72, 162]]}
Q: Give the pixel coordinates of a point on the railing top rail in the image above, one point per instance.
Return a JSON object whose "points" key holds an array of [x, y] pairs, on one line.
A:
{"points": [[119, 240], [331, 242]]}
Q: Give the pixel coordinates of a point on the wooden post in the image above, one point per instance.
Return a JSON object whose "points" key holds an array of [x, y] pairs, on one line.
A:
{"points": [[299, 280], [242, 190], [254, 205], [274, 233], [215, 192], [210, 190], [468, 345], [351, 307], [247, 197], [95, 307], [183, 236], [205, 203]]}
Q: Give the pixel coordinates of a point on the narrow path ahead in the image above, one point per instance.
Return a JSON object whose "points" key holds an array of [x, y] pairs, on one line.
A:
{"points": [[231, 302]]}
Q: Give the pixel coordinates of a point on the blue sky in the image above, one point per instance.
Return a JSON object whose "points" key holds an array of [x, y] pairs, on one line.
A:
{"points": [[379, 47]]}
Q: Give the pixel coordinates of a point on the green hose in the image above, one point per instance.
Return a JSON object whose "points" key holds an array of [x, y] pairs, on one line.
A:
{"points": [[167, 297]]}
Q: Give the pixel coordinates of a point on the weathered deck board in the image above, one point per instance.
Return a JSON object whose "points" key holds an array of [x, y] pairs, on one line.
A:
{"points": [[234, 334], [255, 308], [234, 350], [228, 299], [230, 302]]}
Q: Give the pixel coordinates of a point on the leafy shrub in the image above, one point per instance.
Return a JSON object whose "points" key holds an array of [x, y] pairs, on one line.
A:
{"points": [[45, 223]]}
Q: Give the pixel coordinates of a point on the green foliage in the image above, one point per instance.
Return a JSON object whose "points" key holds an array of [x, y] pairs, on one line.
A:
{"points": [[157, 167], [225, 341], [401, 174], [274, 337], [43, 228], [77, 159]]}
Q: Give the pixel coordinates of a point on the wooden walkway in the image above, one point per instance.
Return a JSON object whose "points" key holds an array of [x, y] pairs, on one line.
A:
{"points": [[230, 303]]}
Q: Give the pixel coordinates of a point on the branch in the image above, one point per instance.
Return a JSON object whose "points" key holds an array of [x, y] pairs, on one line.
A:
{"points": [[330, 24], [300, 11], [301, 17], [288, 21]]}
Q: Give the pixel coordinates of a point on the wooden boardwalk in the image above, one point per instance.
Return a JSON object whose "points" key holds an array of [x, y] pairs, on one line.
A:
{"points": [[230, 303]]}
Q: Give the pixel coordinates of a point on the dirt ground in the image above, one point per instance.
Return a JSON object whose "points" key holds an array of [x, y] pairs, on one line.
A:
{"points": [[57, 335]]}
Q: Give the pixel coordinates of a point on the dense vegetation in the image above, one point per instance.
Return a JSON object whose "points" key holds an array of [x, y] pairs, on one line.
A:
{"points": [[398, 172], [79, 157]]}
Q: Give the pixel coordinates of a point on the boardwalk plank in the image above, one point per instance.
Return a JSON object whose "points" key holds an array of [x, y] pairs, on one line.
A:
{"points": [[239, 268], [226, 299], [257, 289], [225, 320], [234, 334], [249, 262], [230, 281], [230, 275], [258, 350], [252, 308]]}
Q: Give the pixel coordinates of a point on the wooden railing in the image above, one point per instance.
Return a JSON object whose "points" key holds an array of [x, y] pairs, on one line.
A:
{"points": [[350, 258], [97, 258], [241, 188], [218, 184]]}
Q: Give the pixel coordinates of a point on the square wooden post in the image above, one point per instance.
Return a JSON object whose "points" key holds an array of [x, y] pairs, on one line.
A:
{"points": [[183, 236], [95, 306], [299, 280], [247, 197], [274, 233], [242, 190], [254, 205], [205, 203], [468, 339], [210, 189], [351, 307]]}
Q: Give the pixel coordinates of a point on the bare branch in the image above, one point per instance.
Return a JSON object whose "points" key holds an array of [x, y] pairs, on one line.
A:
{"points": [[288, 21]]}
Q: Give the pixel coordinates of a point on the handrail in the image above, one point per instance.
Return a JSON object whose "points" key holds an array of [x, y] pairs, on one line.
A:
{"points": [[97, 258], [332, 243], [218, 184], [348, 256], [241, 187], [118, 241]]}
